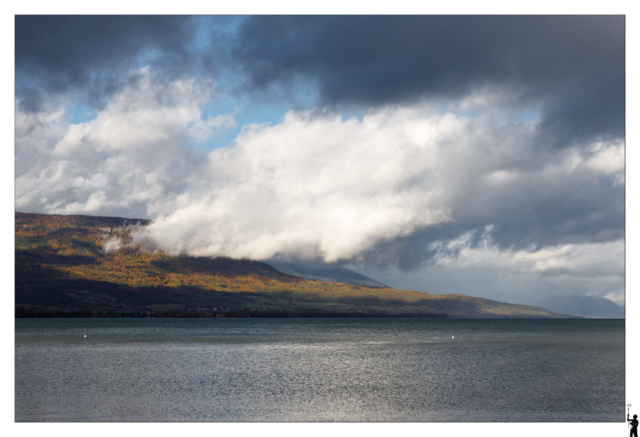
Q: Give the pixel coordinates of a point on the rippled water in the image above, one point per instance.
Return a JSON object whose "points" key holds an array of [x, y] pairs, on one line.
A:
{"points": [[319, 370]]}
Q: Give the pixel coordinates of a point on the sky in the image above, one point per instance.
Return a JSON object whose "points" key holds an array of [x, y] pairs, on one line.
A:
{"points": [[482, 155]]}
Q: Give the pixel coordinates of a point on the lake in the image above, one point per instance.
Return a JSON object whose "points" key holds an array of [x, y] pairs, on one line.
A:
{"points": [[408, 370]]}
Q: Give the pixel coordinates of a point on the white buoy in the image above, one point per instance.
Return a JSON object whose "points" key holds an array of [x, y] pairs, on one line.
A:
{"points": [[85, 335], [451, 336]]}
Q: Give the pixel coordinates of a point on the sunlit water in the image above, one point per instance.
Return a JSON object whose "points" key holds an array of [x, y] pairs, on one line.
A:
{"points": [[319, 370]]}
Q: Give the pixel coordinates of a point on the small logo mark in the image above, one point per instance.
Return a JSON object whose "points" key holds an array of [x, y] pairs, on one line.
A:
{"points": [[633, 423]]}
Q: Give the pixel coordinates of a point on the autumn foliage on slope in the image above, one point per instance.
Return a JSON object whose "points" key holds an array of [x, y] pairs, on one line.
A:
{"points": [[75, 260]]}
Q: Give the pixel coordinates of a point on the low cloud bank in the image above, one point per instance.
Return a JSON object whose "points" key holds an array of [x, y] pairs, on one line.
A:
{"points": [[400, 186], [382, 189]]}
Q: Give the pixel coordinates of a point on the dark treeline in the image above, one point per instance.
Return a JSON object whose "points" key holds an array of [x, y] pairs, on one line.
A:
{"points": [[35, 313]]}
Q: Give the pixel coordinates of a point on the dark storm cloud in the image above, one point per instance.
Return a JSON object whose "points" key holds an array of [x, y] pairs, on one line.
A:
{"points": [[586, 108], [89, 53], [592, 214], [572, 65]]}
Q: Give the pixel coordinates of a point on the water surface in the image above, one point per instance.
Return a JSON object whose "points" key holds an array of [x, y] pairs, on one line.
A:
{"points": [[319, 370]]}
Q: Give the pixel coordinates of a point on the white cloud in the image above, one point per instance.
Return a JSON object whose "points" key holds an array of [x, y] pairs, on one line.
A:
{"points": [[609, 159], [112, 244], [130, 160], [202, 130], [323, 188], [315, 188], [589, 260], [311, 187]]}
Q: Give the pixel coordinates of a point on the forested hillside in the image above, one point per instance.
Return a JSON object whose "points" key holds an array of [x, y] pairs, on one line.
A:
{"points": [[81, 262]]}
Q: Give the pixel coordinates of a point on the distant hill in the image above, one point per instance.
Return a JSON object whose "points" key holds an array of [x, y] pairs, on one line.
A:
{"points": [[328, 274], [583, 306], [61, 264]]}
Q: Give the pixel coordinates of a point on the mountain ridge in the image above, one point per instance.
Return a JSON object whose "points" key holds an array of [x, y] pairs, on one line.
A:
{"points": [[594, 306], [62, 264], [341, 275]]}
